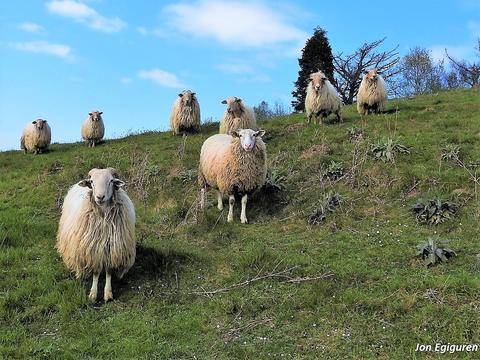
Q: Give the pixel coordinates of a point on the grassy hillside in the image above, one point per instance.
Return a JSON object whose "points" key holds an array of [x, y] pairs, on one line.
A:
{"points": [[379, 302]]}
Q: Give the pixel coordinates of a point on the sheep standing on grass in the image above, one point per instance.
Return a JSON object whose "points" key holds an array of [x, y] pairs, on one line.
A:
{"points": [[185, 117], [372, 96], [233, 165], [93, 129], [36, 136], [237, 116], [322, 99], [97, 229]]}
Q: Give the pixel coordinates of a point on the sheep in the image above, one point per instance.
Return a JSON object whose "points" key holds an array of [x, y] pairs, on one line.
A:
{"points": [[372, 96], [93, 128], [237, 116], [36, 136], [234, 165], [97, 229], [185, 117], [322, 99]]}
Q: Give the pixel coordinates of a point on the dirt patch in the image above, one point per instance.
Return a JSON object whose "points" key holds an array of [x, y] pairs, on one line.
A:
{"points": [[315, 150], [294, 127]]}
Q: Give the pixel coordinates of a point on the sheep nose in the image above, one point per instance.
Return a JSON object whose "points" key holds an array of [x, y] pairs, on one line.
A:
{"points": [[101, 197]]}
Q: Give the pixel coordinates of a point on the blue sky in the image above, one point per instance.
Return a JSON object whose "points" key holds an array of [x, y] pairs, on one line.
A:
{"points": [[61, 59]]}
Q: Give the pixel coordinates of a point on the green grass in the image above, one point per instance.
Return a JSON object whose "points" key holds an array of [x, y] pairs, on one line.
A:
{"points": [[380, 302]]}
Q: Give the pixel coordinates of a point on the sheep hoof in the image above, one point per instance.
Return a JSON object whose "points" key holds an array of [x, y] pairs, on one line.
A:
{"points": [[229, 218], [108, 296], [244, 220], [92, 296], [220, 207]]}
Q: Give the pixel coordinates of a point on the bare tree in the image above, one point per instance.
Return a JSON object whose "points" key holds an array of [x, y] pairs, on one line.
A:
{"points": [[469, 73], [349, 68]]}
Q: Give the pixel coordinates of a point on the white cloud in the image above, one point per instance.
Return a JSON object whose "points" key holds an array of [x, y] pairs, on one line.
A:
{"points": [[126, 80], [235, 23], [44, 47], [162, 78], [82, 13], [142, 30], [31, 27]]}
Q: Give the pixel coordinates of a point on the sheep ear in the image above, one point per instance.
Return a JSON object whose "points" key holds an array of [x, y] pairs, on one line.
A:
{"points": [[193, 94], [238, 99], [85, 183], [224, 101], [259, 133], [365, 72], [181, 94], [379, 72], [118, 183], [34, 122], [235, 133], [90, 114], [100, 113]]}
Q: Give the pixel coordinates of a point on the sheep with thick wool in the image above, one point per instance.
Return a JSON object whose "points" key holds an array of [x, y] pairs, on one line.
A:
{"points": [[93, 128], [97, 229], [36, 136], [185, 116], [372, 95], [234, 165], [322, 99], [237, 116]]}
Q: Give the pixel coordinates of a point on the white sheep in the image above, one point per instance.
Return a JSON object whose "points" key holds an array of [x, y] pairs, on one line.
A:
{"points": [[185, 116], [233, 165], [97, 229], [237, 116], [36, 136], [322, 99], [372, 95], [93, 128]]}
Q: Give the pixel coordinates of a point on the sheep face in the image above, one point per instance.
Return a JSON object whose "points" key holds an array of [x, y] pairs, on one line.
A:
{"points": [[103, 183], [234, 106], [318, 79], [95, 116], [248, 138], [372, 75], [187, 97], [39, 123]]}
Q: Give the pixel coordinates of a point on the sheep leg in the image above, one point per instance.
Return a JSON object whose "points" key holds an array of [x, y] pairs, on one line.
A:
{"points": [[243, 215], [231, 202], [339, 116], [107, 292], [202, 198], [93, 290], [220, 201], [93, 143]]}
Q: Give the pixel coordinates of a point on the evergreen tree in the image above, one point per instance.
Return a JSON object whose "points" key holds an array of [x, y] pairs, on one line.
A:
{"points": [[316, 55]]}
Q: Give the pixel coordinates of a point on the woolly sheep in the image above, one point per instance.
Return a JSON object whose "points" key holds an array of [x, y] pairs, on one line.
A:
{"points": [[237, 116], [322, 99], [36, 136], [185, 117], [372, 96], [93, 128], [233, 165], [97, 229]]}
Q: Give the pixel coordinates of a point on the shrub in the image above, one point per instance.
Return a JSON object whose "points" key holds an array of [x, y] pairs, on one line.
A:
{"points": [[327, 205], [386, 150], [431, 252], [434, 211]]}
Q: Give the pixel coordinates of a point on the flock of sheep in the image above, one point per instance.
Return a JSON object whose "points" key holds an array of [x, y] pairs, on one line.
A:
{"points": [[97, 226]]}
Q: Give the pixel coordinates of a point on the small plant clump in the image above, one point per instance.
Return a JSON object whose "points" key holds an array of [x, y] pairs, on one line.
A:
{"points": [[450, 152], [275, 181], [434, 251], [434, 211], [387, 149], [327, 205], [189, 175], [334, 171], [354, 134]]}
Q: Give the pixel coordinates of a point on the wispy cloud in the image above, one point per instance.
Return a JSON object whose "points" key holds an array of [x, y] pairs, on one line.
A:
{"points": [[162, 78], [474, 27], [126, 80], [31, 27], [142, 30], [237, 24], [44, 47], [83, 13]]}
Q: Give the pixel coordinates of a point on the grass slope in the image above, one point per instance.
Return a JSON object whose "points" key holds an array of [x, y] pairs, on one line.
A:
{"points": [[380, 302]]}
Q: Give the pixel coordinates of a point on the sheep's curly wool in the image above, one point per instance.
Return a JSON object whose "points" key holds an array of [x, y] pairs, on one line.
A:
{"points": [[372, 95], [36, 138], [93, 130], [91, 239], [225, 166], [185, 117], [237, 116], [324, 102]]}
